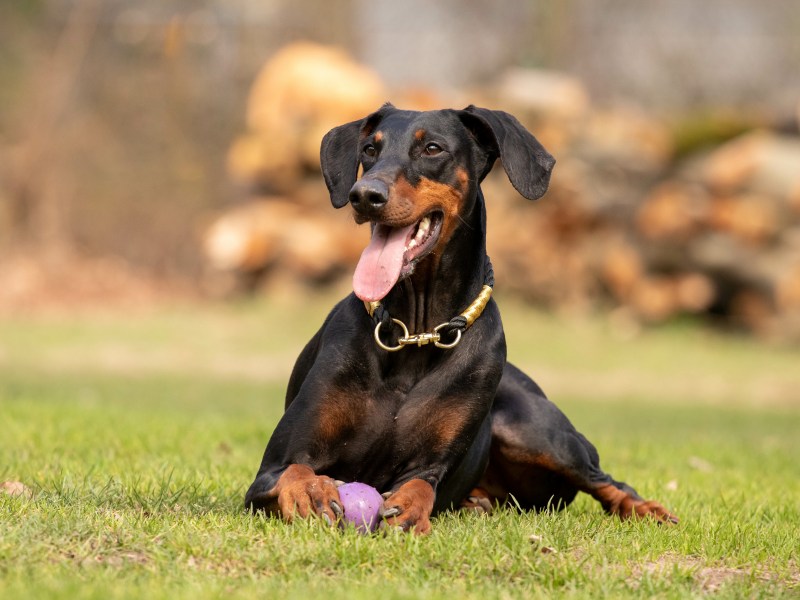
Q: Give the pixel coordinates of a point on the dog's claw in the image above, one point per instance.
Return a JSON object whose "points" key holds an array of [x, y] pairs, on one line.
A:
{"points": [[338, 482], [327, 520], [336, 508], [390, 512], [385, 495]]}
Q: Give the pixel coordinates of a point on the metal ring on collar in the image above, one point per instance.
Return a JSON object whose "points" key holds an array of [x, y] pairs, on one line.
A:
{"points": [[384, 346], [452, 344]]}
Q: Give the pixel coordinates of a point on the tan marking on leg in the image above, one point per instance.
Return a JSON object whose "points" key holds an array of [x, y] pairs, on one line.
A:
{"points": [[617, 502], [410, 507], [302, 493]]}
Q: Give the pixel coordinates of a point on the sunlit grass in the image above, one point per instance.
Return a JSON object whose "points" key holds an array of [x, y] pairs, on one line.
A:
{"points": [[138, 466]]}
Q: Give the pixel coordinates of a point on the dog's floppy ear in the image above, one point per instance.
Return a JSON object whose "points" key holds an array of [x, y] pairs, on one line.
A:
{"points": [[339, 154], [527, 163]]}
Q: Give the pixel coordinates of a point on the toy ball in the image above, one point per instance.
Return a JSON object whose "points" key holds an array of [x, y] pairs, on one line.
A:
{"points": [[361, 503]]}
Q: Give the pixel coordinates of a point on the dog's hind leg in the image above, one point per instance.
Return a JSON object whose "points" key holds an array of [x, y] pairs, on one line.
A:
{"points": [[539, 460]]}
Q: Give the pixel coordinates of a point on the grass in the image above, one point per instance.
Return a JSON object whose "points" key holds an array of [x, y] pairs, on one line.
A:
{"points": [[138, 435]]}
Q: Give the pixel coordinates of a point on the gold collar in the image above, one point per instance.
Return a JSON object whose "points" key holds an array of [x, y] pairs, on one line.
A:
{"points": [[458, 324]]}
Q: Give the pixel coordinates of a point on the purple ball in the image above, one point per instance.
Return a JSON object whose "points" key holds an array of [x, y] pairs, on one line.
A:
{"points": [[361, 503]]}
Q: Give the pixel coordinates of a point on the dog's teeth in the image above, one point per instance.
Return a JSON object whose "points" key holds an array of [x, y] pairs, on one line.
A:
{"points": [[422, 230]]}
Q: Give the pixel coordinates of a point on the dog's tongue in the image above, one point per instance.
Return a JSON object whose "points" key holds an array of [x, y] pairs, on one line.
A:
{"points": [[380, 264]]}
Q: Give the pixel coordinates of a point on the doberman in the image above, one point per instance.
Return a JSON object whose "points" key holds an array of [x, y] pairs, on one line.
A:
{"points": [[446, 422]]}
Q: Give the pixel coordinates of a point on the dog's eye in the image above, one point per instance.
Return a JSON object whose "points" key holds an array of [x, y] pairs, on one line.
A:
{"points": [[432, 149], [369, 150]]}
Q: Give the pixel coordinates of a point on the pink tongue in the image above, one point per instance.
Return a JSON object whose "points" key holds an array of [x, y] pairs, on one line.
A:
{"points": [[380, 264]]}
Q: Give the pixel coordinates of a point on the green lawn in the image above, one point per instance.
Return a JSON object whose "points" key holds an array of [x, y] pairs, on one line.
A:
{"points": [[139, 433]]}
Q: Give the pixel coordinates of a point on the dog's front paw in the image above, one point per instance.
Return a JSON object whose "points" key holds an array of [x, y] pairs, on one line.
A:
{"points": [[409, 508], [302, 493]]}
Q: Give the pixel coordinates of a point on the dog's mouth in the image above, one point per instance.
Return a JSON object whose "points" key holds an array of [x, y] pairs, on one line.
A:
{"points": [[392, 254], [422, 240]]}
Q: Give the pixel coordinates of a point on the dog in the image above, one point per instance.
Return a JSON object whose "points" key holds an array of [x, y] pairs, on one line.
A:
{"points": [[436, 419]]}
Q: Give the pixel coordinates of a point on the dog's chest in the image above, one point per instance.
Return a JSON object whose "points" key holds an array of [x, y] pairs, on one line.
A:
{"points": [[371, 435]]}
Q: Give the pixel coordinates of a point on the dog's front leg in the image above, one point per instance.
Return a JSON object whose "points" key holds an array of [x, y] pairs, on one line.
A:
{"points": [[447, 431], [299, 492], [410, 507]]}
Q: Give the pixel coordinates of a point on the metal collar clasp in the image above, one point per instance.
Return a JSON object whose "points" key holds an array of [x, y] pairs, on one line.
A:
{"points": [[468, 317]]}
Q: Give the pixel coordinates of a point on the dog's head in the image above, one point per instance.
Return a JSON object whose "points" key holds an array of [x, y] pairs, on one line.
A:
{"points": [[421, 171]]}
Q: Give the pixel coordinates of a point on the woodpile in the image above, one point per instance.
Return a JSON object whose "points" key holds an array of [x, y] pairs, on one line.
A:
{"points": [[631, 222], [716, 234], [281, 236], [301, 93]]}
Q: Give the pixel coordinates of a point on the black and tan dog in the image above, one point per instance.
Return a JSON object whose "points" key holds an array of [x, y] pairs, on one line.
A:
{"points": [[438, 418]]}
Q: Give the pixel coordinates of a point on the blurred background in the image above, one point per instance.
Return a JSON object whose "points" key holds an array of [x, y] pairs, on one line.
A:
{"points": [[169, 149]]}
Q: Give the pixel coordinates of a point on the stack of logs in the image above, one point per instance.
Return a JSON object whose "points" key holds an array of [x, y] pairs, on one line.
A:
{"points": [[632, 223], [629, 222]]}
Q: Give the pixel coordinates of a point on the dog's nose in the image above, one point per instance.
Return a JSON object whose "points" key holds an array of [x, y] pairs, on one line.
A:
{"points": [[369, 196]]}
